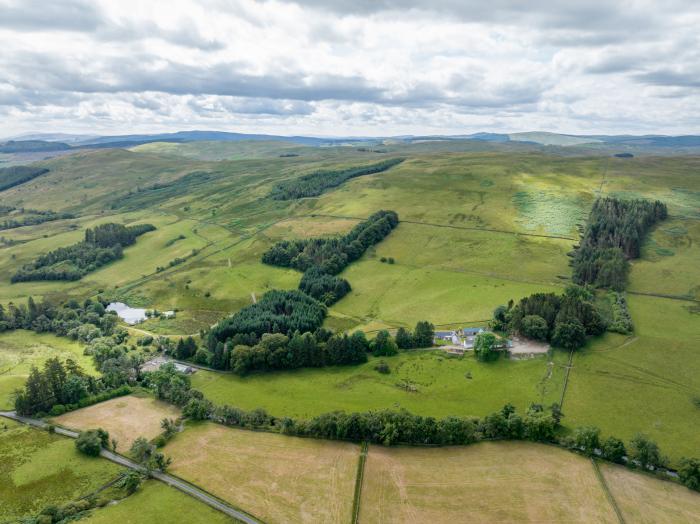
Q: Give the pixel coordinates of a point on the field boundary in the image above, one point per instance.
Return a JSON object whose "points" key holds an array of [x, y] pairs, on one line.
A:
{"points": [[566, 379], [607, 491], [357, 496], [449, 226]]}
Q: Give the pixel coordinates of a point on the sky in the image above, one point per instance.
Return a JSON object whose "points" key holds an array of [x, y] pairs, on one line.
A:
{"points": [[339, 68]]}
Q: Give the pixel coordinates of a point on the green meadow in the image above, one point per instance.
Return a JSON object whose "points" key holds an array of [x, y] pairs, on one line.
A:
{"points": [[423, 382], [38, 469], [156, 502]]}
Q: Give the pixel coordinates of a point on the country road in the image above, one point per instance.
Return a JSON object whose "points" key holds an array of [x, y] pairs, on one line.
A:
{"points": [[167, 478]]}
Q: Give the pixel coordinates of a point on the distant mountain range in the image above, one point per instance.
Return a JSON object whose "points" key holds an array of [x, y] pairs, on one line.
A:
{"points": [[60, 141]]}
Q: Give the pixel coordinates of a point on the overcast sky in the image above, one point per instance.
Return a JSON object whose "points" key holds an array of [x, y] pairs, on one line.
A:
{"points": [[357, 67]]}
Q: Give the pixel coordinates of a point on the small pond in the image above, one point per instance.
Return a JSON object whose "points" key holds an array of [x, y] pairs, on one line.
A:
{"points": [[130, 315]]}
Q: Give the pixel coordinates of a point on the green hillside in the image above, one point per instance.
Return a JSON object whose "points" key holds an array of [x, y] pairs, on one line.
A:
{"points": [[477, 229]]}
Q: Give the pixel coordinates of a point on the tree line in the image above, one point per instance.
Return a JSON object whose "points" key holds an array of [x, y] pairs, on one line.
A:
{"points": [[539, 423], [564, 320], [613, 235], [318, 182], [32, 217], [102, 245], [244, 353]]}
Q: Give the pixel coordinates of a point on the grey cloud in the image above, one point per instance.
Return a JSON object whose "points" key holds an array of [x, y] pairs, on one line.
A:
{"points": [[667, 77], [70, 15], [85, 17]]}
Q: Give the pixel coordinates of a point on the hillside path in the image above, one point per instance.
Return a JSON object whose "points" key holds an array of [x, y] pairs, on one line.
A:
{"points": [[167, 478]]}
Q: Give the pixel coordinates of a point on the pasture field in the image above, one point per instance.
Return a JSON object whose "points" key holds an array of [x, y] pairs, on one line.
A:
{"points": [[20, 350], [440, 382], [646, 500], [645, 383], [486, 482], [38, 469], [276, 478], [124, 418], [156, 502]]}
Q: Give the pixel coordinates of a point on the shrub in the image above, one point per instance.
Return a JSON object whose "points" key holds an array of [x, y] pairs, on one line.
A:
{"points": [[613, 449], [383, 368], [689, 473], [92, 441], [57, 410]]}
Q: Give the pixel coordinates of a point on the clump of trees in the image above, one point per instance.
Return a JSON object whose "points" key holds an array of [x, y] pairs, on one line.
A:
{"points": [[421, 337], [621, 318], [613, 235], [316, 183], [15, 175], [276, 312], [564, 320], [102, 245], [325, 288]]}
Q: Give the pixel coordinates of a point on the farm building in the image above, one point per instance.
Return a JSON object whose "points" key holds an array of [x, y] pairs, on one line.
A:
{"points": [[449, 336]]}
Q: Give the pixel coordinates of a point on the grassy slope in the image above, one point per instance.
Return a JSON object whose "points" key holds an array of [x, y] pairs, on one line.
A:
{"points": [[20, 350], [442, 386], [644, 383], [156, 502], [38, 469]]}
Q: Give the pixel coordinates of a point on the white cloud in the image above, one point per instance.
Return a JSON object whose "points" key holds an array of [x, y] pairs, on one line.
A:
{"points": [[364, 67]]}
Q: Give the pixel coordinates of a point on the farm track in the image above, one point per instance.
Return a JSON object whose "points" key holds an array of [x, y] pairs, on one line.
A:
{"points": [[170, 480]]}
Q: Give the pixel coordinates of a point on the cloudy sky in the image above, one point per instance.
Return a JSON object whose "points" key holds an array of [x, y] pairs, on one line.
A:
{"points": [[357, 67]]}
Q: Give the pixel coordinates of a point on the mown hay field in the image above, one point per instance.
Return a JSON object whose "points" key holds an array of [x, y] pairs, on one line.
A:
{"points": [[645, 500], [275, 478], [124, 418], [486, 482]]}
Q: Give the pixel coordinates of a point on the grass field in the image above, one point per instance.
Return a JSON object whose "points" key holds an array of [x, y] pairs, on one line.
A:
{"points": [[647, 383], [275, 478], [38, 469], [645, 500], [20, 350], [487, 482], [124, 418], [441, 383], [156, 502]]}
